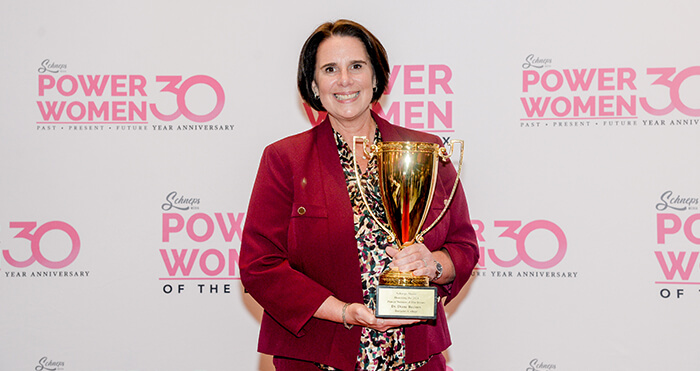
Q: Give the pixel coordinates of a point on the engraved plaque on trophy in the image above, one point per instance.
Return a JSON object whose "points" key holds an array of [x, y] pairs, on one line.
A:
{"points": [[407, 173]]}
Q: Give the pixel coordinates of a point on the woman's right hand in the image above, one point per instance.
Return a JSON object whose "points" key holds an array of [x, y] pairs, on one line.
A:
{"points": [[361, 315]]}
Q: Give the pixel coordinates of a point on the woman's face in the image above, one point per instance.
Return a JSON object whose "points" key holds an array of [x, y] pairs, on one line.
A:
{"points": [[344, 78]]}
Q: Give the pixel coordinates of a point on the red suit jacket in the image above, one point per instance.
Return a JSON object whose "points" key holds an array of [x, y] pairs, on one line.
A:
{"points": [[298, 248]]}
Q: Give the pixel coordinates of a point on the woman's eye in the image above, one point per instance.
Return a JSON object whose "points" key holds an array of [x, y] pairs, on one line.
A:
{"points": [[329, 69], [357, 66]]}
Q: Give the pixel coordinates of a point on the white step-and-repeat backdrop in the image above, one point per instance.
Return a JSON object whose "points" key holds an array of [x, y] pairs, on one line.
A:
{"points": [[130, 134]]}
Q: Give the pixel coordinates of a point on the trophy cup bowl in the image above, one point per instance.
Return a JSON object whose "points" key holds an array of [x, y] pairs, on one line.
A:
{"points": [[407, 173]]}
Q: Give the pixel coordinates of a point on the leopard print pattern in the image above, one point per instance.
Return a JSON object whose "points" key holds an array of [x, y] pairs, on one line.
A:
{"points": [[378, 350]]}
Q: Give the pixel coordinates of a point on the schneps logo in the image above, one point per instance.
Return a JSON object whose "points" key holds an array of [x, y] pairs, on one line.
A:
{"points": [[46, 364], [676, 202], [48, 66], [173, 201], [537, 365], [531, 61]]}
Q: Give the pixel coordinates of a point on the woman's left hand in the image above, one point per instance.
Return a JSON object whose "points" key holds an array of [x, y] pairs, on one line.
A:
{"points": [[415, 257]]}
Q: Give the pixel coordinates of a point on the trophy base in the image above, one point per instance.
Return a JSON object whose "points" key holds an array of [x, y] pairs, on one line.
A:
{"points": [[403, 295]]}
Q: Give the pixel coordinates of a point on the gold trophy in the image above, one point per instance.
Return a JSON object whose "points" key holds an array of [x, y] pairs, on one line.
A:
{"points": [[407, 174]]}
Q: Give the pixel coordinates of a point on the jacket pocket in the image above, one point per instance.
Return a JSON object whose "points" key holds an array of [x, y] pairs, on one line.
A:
{"points": [[308, 232]]}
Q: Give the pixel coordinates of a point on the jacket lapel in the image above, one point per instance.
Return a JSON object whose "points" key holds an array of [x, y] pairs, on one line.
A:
{"points": [[339, 209]]}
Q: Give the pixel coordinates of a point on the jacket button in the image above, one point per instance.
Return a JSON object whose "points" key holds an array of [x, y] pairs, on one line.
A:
{"points": [[301, 210]]}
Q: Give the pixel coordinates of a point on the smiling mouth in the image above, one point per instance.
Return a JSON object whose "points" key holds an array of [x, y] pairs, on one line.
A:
{"points": [[346, 96]]}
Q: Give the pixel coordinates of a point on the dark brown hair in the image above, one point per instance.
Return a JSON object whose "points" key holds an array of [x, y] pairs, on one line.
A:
{"points": [[343, 27]]}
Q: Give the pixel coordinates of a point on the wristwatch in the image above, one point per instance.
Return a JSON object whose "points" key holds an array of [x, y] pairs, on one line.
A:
{"points": [[438, 268]]}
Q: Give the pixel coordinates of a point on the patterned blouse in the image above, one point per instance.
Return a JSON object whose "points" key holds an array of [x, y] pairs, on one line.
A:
{"points": [[378, 350]]}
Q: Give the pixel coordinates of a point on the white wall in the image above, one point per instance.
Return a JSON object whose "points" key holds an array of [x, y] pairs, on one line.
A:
{"points": [[590, 233]]}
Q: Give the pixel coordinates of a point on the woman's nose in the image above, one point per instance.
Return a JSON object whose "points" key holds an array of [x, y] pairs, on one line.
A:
{"points": [[344, 77]]}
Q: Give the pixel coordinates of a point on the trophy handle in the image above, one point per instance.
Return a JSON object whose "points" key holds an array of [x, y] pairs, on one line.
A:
{"points": [[369, 153], [445, 155]]}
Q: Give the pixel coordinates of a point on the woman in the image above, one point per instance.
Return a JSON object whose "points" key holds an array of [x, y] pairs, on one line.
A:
{"points": [[310, 253]]}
